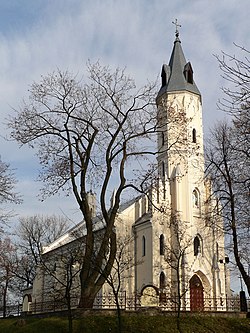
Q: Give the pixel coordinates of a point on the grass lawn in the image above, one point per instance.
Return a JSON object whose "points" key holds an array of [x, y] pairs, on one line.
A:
{"points": [[133, 324]]}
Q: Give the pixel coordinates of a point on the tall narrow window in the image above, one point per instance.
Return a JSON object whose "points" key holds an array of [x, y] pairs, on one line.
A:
{"points": [[143, 246], [162, 281], [161, 244], [163, 179], [163, 169], [158, 191], [162, 288], [196, 198], [188, 73], [194, 135], [217, 251], [163, 77], [162, 138], [143, 205], [197, 246], [190, 77]]}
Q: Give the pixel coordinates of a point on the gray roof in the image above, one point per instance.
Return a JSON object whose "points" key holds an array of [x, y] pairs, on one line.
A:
{"points": [[178, 74]]}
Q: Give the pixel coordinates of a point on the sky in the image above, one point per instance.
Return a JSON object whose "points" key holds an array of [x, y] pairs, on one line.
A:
{"points": [[39, 36]]}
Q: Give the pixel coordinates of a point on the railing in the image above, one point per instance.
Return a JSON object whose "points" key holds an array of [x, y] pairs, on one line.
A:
{"points": [[52, 305], [107, 301], [11, 310], [232, 304]]}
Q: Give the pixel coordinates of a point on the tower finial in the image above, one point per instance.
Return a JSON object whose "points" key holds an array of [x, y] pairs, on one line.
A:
{"points": [[176, 28]]}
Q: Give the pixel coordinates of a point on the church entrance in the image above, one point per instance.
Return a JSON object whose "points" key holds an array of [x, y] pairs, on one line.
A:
{"points": [[196, 294]]}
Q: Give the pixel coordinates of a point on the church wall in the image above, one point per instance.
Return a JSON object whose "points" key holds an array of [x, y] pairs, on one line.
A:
{"points": [[161, 242], [143, 254], [125, 234], [38, 286]]}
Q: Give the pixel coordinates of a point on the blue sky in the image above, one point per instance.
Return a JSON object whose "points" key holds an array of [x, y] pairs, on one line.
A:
{"points": [[38, 36]]}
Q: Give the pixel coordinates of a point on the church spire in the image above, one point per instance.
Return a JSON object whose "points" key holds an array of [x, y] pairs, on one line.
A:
{"points": [[178, 74]]}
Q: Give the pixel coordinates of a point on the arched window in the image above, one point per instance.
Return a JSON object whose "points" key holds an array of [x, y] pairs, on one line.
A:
{"points": [[196, 198], [143, 246], [158, 191], [162, 138], [163, 77], [188, 73], [190, 77], [194, 135], [143, 205], [217, 251], [161, 244], [162, 281], [163, 169], [197, 246]]}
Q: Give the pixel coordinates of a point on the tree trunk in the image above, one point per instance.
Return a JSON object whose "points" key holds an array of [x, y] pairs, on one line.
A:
{"points": [[93, 280], [118, 309], [178, 290], [178, 296], [87, 297]]}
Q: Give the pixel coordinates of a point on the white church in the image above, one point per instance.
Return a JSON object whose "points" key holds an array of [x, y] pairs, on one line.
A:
{"points": [[176, 240]]}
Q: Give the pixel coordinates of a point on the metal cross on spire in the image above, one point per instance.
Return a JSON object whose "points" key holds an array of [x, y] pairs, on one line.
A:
{"points": [[176, 28]]}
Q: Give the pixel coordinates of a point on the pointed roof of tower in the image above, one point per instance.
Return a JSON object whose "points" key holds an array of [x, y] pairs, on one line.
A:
{"points": [[178, 74]]}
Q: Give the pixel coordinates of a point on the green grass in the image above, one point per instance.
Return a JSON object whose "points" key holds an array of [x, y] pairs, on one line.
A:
{"points": [[133, 324]]}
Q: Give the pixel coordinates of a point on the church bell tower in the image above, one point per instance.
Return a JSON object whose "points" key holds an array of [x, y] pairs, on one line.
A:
{"points": [[182, 189], [180, 135]]}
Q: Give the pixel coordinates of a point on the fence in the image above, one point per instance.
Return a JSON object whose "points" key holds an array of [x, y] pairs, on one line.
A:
{"points": [[107, 301], [11, 310], [232, 304]]}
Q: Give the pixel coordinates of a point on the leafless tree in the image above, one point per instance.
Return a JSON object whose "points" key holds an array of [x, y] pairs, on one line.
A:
{"points": [[121, 271], [228, 169], [236, 101], [7, 266], [87, 133], [235, 70], [35, 232], [61, 270], [228, 155], [7, 193], [176, 249], [87, 136]]}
